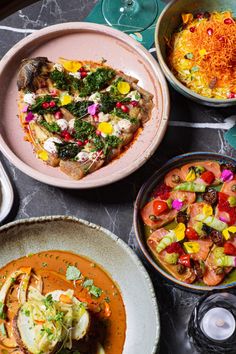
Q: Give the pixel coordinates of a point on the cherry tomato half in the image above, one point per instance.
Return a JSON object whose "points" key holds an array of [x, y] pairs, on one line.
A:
{"points": [[159, 207], [229, 249], [185, 260], [208, 177], [191, 234]]}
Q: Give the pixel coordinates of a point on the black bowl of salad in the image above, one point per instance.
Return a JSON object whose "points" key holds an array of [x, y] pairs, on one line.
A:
{"points": [[185, 221]]}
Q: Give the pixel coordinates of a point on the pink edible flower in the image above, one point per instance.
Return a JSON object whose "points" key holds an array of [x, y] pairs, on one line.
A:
{"points": [[227, 175], [29, 117], [93, 109], [25, 108], [223, 219], [177, 204]]}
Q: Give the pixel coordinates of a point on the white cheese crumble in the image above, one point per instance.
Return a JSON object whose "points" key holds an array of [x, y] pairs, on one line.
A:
{"points": [[95, 97], [102, 117], [77, 98], [124, 125], [134, 95], [50, 146], [71, 124], [82, 156], [29, 98], [63, 124], [58, 67], [76, 75]]}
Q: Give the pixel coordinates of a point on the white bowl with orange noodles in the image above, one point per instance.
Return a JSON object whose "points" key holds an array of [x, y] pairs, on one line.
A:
{"points": [[196, 48]]}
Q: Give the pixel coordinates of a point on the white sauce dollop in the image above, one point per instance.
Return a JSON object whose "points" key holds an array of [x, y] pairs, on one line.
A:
{"points": [[82, 156], [50, 146], [63, 124], [58, 67], [134, 95], [76, 75], [29, 98], [95, 97], [102, 117], [71, 124], [124, 125]]}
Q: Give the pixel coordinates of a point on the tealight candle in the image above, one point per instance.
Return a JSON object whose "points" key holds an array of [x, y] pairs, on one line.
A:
{"points": [[218, 324]]}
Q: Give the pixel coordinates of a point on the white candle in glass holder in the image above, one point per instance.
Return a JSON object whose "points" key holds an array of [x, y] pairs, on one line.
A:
{"points": [[218, 324]]}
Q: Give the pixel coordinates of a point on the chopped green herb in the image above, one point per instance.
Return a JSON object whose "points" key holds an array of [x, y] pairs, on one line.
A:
{"points": [[96, 81], [107, 299], [48, 301], [73, 273], [51, 127], [107, 102], [67, 150], [60, 79], [83, 129], [119, 113], [26, 312], [44, 264], [13, 280], [79, 109], [111, 142]]}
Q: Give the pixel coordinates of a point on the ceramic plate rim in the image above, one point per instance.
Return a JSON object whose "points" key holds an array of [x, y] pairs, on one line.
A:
{"points": [[83, 184], [130, 253], [136, 218]]}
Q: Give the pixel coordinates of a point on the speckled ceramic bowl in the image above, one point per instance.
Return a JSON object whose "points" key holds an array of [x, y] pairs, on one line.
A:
{"points": [[142, 199], [168, 22], [22, 237], [84, 41]]}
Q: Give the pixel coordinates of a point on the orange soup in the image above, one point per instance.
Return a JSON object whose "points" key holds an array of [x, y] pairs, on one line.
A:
{"points": [[57, 301]]}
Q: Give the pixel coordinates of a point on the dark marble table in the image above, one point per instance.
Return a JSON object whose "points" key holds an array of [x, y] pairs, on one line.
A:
{"points": [[192, 128]]}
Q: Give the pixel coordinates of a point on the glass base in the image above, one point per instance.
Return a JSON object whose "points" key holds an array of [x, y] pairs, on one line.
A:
{"points": [[130, 15]]}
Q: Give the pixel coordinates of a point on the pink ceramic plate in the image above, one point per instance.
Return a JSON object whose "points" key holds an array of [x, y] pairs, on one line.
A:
{"points": [[85, 41]]}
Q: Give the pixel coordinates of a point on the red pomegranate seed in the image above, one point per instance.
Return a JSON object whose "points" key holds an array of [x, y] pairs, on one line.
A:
{"points": [[83, 74], [118, 104], [52, 104], [45, 105], [58, 115], [80, 143], [86, 142], [192, 29], [53, 92], [82, 69], [228, 21], [134, 103], [221, 38], [210, 31], [67, 136], [98, 132], [124, 108]]}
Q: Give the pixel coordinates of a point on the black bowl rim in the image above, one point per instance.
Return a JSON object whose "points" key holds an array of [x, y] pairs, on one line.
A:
{"points": [[171, 77], [172, 163]]}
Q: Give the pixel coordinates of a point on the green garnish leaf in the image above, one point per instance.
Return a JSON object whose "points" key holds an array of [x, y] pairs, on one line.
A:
{"points": [[60, 79], [48, 301], [95, 291], [107, 102], [72, 273], [87, 283]]}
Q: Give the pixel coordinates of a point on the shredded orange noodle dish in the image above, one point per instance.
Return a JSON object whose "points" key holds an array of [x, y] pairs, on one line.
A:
{"points": [[202, 54]]}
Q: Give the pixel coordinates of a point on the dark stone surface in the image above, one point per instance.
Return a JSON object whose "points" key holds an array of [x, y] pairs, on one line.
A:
{"points": [[112, 206]]}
